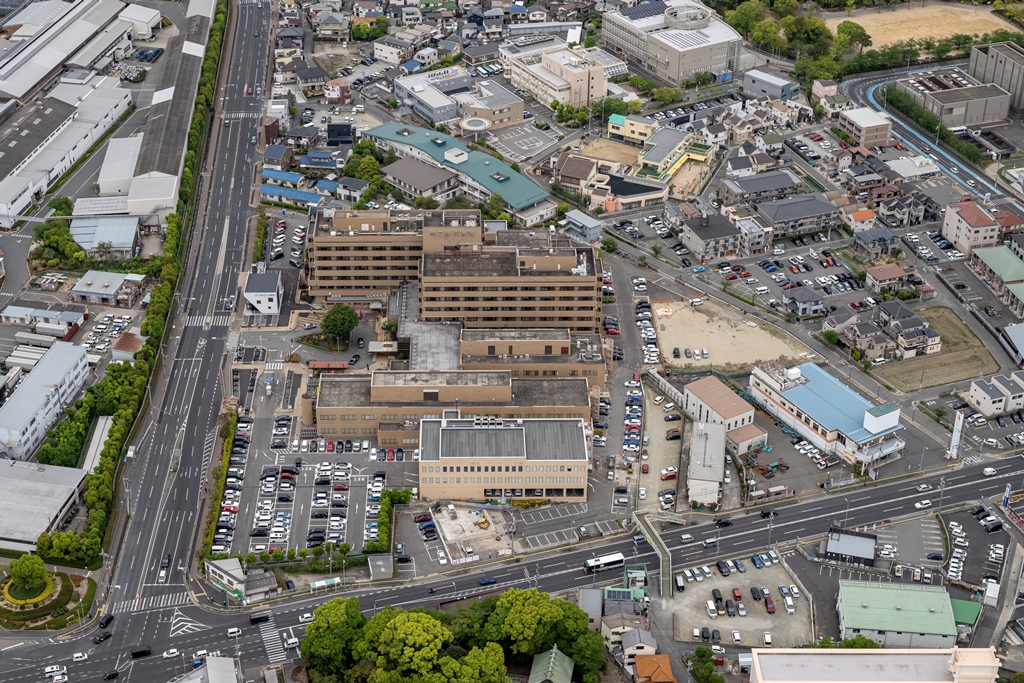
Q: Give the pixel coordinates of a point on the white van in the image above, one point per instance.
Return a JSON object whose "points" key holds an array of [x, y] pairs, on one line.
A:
{"points": [[712, 610], [762, 290], [290, 643], [680, 583], [706, 354], [669, 407], [789, 606], [686, 538], [163, 576], [79, 657], [709, 543]]}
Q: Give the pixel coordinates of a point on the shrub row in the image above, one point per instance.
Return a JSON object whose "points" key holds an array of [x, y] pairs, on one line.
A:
{"points": [[121, 393], [217, 479], [388, 499], [62, 599]]}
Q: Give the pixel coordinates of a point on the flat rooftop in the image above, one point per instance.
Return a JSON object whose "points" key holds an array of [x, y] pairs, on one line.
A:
{"points": [[552, 440], [353, 392], [552, 334], [471, 264], [444, 378], [896, 607], [863, 666], [34, 495], [719, 397]]}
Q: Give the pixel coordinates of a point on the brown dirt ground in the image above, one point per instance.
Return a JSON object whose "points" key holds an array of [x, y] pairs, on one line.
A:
{"points": [[733, 344], [924, 22], [613, 151], [963, 356]]}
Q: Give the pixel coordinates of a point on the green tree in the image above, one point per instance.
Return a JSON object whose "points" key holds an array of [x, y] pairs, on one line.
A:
{"points": [[856, 33], [850, 6], [426, 203], [329, 640], [746, 15], [526, 620], [858, 642], [28, 573], [590, 42], [634, 107], [410, 643], [668, 95], [786, 8], [361, 32], [609, 244], [339, 321], [514, 166], [766, 33], [702, 666], [369, 168], [831, 337], [656, 250], [61, 206]]}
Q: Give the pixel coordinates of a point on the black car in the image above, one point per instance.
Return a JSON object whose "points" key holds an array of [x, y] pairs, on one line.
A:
{"points": [[278, 444], [284, 498], [101, 636], [935, 556], [723, 522], [767, 514], [354, 360], [673, 417], [105, 621], [166, 561], [755, 592], [318, 514], [111, 675]]}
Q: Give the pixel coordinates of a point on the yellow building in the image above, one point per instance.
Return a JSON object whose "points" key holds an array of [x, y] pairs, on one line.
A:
{"points": [[391, 404], [465, 459], [633, 129], [545, 353], [563, 75]]}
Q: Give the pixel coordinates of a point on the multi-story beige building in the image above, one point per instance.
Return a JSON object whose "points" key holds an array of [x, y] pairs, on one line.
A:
{"points": [[866, 126], [634, 129], [356, 256], [534, 353], [523, 281], [969, 226], [462, 458], [391, 404], [567, 76]]}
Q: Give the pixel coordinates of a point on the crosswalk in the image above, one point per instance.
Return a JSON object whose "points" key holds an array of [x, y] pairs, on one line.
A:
{"points": [[235, 115], [152, 602], [275, 366], [215, 321], [272, 641], [972, 459], [211, 438]]}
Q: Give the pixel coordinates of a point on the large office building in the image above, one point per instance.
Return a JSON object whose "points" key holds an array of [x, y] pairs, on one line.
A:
{"points": [[1001, 64], [38, 401], [673, 39], [427, 93], [548, 352], [480, 174], [827, 413], [463, 458], [391, 404]]}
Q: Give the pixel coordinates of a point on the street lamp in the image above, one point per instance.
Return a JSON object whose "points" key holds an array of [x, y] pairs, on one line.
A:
{"points": [[846, 517]]}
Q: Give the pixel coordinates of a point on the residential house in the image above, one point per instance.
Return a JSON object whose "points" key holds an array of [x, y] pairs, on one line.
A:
{"points": [[336, 91], [741, 128], [760, 187], [1000, 395], [907, 211], [886, 278], [276, 157], [614, 626], [739, 167], [288, 37], [1000, 269], [968, 226], [537, 14], [840, 321], [636, 642], [871, 341], [304, 136], [282, 178], [875, 244], [652, 669], [890, 312], [883, 193], [769, 143], [518, 14], [360, 8], [860, 220], [392, 50], [800, 214], [822, 88], [332, 26], [311, 80], [914, 337], [715, 134], [836, 104], [803, 301], [633, 129], [350, 189], [574, 172]]}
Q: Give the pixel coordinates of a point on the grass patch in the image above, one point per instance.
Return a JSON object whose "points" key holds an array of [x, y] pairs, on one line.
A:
{"points": [[324, 342]]}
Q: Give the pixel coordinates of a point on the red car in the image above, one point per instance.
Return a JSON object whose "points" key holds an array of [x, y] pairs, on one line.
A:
{"points": [[842, 144], [330, 446], [636, 376], [233, 509], [287, 475], [606, 281], [613, 331], [341, 487], [898, 148], [732, 276], [419, 519], [391, 454], [769, 605], [644, 468]]}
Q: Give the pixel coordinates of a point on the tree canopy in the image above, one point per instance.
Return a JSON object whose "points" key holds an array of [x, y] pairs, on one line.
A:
{"points": [[28, 573], [339, 321]]}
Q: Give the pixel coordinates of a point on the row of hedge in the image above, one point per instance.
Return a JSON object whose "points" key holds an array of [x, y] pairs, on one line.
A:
{"points": [[388, 499], [122, 391], [904, 103], [217, 479], [261, 235], [62, 599]]}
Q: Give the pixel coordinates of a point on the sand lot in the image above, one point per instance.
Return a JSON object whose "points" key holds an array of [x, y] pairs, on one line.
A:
{"points": [[732, 343], [611, 150], [887, 26]]}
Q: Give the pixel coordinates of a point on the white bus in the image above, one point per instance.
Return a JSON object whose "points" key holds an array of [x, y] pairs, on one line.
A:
{"points": [[599, 564]]}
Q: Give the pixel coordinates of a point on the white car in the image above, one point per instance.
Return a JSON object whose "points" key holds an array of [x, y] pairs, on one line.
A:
{"points": [[989, 471], [924, 487], [306, 618], [441, 557], [170, 654], [642, 494], [923, 505]]}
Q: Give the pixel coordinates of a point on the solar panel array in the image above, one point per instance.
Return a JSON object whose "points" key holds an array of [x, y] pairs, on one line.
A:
{"points": [[644, 10]]}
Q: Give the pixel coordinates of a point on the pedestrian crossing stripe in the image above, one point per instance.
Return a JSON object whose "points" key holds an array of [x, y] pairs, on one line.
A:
{"points": [[274, 366], [272, 641], [235, 115], [152, 602], [215, 321]]}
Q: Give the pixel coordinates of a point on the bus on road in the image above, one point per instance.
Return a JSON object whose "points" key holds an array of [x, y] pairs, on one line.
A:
{"points": [[599, 564]]}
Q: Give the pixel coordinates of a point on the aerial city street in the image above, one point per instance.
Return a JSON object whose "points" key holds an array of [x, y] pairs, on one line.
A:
{"points": [[584, 340]]}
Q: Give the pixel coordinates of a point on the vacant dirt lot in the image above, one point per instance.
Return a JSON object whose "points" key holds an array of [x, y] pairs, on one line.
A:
{"points": [[963, 356], [613, 151], [924, 22], [734, 341]]}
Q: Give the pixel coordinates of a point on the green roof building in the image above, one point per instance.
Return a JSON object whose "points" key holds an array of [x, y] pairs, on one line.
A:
{"points": [[480, 174], [896, 615], [551, 667]]}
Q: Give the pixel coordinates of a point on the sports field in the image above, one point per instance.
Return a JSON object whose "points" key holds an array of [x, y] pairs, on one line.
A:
{"points": [[940, 21]]}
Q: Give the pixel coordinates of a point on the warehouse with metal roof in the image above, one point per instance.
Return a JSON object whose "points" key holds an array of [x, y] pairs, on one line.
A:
{"points": [[896, 614]]}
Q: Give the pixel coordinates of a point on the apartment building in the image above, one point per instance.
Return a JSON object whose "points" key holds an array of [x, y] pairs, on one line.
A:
{"points": [[760, 187], [969, 226], [480, 459], [711, 236], [522, 281], [634, 129], [391, 404], [998, 395], [528, 353], [362, 256], [866, 126], [564, 75], [800, 214]]}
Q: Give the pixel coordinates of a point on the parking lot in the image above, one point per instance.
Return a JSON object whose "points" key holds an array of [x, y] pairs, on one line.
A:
{"points": [[691, 611]]}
